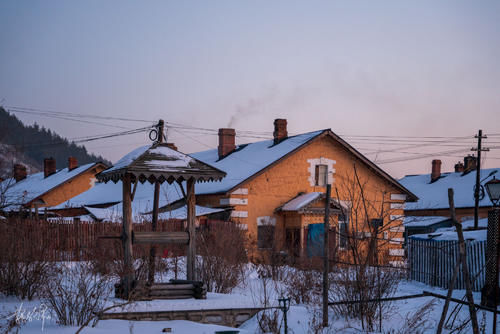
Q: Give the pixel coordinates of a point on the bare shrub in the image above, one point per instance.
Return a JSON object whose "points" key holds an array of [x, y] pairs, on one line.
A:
{"points": [[77, 293], [25, 266], [264, 293], [365, 284], [222, 259], [419, 322], [303, 285]]}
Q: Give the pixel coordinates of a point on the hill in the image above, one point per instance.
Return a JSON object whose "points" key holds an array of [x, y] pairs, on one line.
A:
{"points": [[30, 144]]}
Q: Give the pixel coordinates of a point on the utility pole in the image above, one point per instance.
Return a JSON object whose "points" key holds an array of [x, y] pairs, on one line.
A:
{"points": [[154, 220], [325, 255], [479, 149]]}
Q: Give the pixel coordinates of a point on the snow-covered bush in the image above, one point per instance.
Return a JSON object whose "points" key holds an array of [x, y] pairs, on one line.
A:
{"points": [[77, 293]]}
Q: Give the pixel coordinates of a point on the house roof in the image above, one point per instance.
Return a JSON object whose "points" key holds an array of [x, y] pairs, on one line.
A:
{"points": [[160, 162], [249, 160], [435, 195], [450, 233], [300, 201], [423, 221], [36, 185]]}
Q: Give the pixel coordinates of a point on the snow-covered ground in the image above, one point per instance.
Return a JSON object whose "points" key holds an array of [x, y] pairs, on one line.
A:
{"points": [[301, 318]]}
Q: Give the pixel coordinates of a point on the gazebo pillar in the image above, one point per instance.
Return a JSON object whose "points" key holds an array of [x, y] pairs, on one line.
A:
{"points": [[128, 277], [191, 217]]}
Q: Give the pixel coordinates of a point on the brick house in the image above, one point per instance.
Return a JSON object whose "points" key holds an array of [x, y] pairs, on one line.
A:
{"points": [[275, 187], [48, 188]]}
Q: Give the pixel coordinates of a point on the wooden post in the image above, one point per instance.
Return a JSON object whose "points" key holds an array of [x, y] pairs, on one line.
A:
{"points": [[191, 217], [128, 277], [154, 219], [326, 227], [463, 260]]}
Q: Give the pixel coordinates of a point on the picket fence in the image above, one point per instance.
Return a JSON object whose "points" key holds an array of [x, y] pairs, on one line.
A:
{"points": [[433, 261]]}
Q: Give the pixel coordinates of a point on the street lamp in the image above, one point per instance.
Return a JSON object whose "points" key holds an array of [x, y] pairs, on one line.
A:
{"points": [[493, 190], [489, 294]]}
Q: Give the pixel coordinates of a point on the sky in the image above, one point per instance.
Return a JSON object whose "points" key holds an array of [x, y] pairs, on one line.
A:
{"points": [[418, 72]]}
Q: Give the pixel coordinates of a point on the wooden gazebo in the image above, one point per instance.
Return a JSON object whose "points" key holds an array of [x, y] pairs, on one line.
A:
{"points": [[157, 164]]}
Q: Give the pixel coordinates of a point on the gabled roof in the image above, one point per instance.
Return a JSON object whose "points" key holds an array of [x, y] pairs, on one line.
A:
{"points": [[36, 185], [435, 195], [423, 221], [160, 162], [249, 160]]}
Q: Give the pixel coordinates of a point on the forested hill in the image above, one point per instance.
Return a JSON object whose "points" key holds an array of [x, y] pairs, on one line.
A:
{"points": [[34, 143]]}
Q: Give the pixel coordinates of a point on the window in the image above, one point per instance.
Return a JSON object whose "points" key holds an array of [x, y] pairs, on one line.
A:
{"points": [[265, 236], [343, 231], [320, 175], [265, 231]]}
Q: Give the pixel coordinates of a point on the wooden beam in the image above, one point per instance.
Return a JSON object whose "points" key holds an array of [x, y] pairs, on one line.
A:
{"points": [[160, 238], [128, 277], [191, 217]]}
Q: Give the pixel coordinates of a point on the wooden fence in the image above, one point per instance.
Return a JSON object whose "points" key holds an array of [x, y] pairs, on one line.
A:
{"points": [[72, 240], [432, 262]]}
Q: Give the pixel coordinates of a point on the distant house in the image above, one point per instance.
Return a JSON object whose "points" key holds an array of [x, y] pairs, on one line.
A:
{"points": [[51, 187], [432, 190], [425, 224], [276, 188]]}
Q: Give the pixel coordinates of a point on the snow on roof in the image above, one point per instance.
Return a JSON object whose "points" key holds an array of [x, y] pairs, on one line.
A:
{"points": [[35, 185], [478, 235], [450, 233], [160, 162], [422, 221], [247, 160], [300, 201], [435, 195]]}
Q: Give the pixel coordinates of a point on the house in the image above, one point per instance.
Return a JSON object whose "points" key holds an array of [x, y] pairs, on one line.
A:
{"points": [[425, 224], [276, 188], [48, 188], [432, 190]]}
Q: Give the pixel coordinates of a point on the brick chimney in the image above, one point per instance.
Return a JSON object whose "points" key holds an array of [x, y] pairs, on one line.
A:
{"points": [[459, 167], [280, 132], [226, 142], [470, 163], [172, 146], [72, 163], [49, 166], [19, 172], [436, 170]]}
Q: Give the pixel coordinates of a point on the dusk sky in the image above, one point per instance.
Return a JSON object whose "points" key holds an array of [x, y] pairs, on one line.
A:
{"points": [[401, 69]]}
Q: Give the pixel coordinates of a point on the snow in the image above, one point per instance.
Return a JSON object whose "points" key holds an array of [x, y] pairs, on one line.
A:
{"points": [[214, 301], [422, 221], [247, 160], [35, 185], [435, 195], [175, 158], [300, 201], [450, 233], [129, 158], [301, 318]]}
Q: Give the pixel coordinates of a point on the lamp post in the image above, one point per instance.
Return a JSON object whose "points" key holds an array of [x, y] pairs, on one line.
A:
{"points": [[489, 293]]}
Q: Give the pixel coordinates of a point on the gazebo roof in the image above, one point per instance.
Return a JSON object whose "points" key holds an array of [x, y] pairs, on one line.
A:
{"points": [[160, 163]]}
